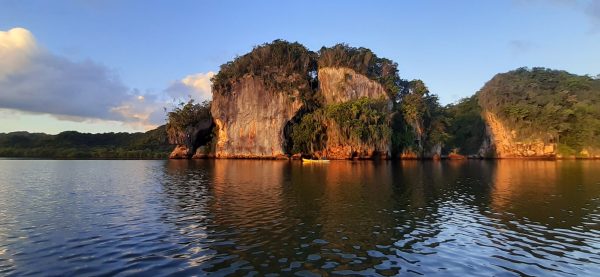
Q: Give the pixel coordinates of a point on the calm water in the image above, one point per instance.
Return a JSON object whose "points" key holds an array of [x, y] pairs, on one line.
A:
{"points": [[256, 217]]}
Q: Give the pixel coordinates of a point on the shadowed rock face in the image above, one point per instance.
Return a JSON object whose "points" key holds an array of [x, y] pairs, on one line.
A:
{"points": [[190, 139], [250, 119], [338, 85]]}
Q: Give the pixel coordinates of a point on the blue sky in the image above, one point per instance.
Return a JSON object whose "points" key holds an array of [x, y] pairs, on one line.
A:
{"points": [[134, 56]]}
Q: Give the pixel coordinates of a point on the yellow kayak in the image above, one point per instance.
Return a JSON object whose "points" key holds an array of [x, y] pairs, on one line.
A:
{"points": [[314, 161]]}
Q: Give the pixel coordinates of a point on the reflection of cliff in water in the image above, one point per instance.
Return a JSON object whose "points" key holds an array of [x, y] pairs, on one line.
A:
{"points": [[280, 216], [548, 192]]}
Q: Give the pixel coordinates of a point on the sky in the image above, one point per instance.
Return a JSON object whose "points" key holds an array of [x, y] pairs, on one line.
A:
{"points": [[114, 66]]}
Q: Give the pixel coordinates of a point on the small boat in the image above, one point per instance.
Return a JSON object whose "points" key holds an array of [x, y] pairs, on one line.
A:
{"points": [[314, 161]]}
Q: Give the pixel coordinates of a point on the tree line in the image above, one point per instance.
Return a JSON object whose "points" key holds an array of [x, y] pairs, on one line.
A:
{"points": [[75, 145]]}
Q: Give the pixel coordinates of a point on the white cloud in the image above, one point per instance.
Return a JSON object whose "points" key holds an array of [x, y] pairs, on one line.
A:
{"points": [[34, 80], [17, 47], [197, 86], [144, 111]]}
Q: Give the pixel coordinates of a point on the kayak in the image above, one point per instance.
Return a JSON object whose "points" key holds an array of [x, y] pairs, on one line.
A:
{"points": [[314, 161]]}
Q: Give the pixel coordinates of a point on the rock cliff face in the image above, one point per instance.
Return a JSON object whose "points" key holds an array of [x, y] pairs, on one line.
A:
{"points": [[501, 142], [341, 84], [250, 119], [338, 85]]}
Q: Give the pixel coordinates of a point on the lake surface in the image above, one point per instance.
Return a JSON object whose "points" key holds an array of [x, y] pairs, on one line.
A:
{"points": [[246, 217]]}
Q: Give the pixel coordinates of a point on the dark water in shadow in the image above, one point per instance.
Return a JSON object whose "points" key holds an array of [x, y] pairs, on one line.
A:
{"points": [[240, 217]]}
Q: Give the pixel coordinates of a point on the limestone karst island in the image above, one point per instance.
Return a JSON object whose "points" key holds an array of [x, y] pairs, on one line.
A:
{"points": [[283, 101]]}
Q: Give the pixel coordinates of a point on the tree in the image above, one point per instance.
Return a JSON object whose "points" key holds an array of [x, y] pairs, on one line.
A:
{"points": [[423, 115], [186, 116]]}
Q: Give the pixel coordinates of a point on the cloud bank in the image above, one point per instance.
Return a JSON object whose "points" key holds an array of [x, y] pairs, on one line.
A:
{"points": [[35, 80]]}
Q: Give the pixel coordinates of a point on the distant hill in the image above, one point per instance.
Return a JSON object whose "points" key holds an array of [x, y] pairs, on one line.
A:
{"points": [[74, 145]]}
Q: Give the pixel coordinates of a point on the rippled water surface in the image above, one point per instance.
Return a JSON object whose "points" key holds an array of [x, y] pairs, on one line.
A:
{"points": [[241, 217]]}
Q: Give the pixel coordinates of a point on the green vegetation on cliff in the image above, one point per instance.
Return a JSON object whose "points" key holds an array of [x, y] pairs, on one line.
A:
{"points": [[465, 126], [365, 62], [414, 122], [184, 116], [551, 105], [283, 66], [310, 134], [361, 121], [421, 120]]}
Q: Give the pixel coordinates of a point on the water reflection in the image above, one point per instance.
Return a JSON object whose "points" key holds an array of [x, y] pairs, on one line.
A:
{"points": [[258, 217], [558, 193], [388, 218]]}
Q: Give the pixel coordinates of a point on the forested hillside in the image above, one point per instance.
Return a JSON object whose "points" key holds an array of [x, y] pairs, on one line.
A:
{"points": [[74, 145], [552, 106]]}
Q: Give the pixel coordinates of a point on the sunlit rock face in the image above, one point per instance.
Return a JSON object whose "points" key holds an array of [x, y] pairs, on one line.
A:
{"points": [[338, 85], [501, 142], [250, 119], [180, 152]]}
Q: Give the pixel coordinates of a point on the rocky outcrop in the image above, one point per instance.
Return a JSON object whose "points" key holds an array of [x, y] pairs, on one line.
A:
{"points": [[180, 152], [501, 142], [408, 155], [203, 152], [338, 85], [250, 119], [191, 138], [433, 152]]}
